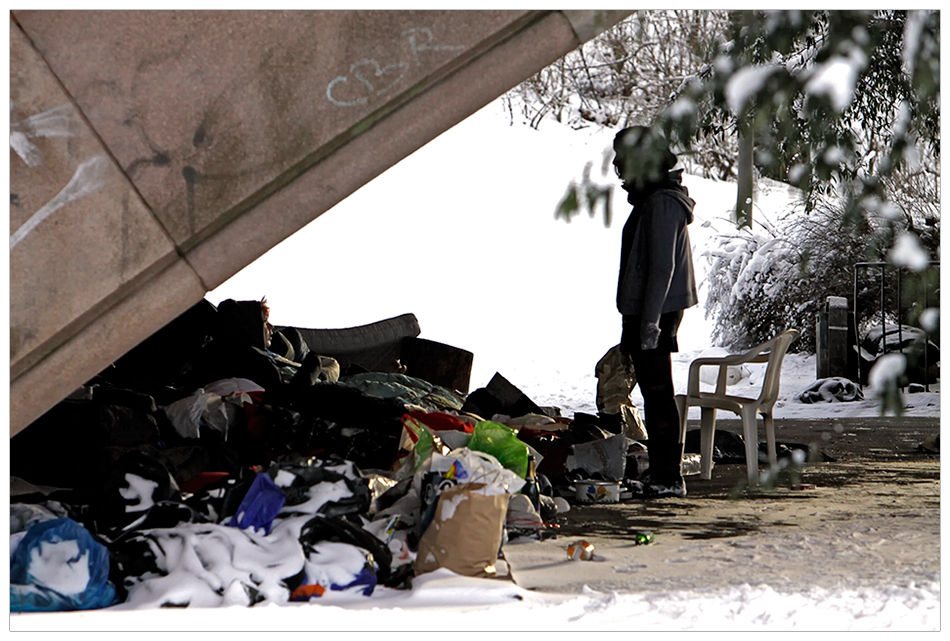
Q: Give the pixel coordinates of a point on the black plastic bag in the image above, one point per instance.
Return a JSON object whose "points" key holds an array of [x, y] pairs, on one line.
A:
{"points": [[340, 530], [303, 495]]}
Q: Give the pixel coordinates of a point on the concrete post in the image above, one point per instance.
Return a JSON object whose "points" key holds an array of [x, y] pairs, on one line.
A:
{"points": [[832, 339]]}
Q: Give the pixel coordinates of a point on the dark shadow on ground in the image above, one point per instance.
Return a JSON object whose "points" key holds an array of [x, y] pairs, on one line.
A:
{"points": [[880, 454]]}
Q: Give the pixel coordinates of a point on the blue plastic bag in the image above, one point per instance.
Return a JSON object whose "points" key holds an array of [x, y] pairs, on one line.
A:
{"points": [[58, 566], [260, 506]]}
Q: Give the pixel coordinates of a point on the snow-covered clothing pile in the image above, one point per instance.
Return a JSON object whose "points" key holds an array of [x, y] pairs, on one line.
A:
{"points": [[831, 390]]}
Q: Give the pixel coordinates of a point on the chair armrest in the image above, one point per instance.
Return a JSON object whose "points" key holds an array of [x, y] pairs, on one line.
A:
{"points": [[723, 363], [692, 388], [771, 351]]}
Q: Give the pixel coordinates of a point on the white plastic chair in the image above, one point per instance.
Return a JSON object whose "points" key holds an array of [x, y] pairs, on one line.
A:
{"points": [[771, 352]]}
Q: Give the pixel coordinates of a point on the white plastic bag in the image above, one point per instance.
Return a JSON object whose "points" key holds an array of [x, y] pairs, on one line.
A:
{"points": [[204, 408], [607, 457], [469, 466]]}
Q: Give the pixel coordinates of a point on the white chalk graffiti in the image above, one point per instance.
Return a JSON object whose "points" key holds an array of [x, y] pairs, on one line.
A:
{"points": [[90, 176], [391, 75], [56, 122], [368, 79], [427, 43]]}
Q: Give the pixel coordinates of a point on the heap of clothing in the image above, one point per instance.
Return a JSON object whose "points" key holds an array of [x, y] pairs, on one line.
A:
{"points": [[206, 469]]}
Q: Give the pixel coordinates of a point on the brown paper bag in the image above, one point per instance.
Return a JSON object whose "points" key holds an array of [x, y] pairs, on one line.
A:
{"points": [[465, 533]]}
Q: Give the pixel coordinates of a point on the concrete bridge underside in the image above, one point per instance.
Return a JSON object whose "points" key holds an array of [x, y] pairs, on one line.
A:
{"points": [[154, 154]]}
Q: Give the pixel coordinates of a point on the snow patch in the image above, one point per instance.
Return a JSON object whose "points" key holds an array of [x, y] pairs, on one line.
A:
{"points": [[140, 490], [836, 78]]}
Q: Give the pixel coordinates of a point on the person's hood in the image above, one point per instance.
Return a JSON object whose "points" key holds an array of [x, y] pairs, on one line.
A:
{"points": [[672, 183], [241, 322]]}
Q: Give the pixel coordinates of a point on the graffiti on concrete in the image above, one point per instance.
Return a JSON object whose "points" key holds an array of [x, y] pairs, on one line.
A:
{"points": [[381, 80], [369, 79], [90, 176], [425, 42], [53, 123]]}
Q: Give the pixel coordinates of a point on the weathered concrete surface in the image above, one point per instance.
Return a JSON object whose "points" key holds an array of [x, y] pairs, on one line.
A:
{"points": [[196, 141], [80, 236]]}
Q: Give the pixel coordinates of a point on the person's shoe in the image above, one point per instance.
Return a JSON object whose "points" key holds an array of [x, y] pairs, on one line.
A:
{"points": [[647, 488], [676, 489]]}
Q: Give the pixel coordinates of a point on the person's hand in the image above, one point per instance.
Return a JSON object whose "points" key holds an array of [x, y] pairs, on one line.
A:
{"points": [[649, 335]]}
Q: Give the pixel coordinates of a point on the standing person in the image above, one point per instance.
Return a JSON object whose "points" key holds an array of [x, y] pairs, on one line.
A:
{"points": [[656, 283]]}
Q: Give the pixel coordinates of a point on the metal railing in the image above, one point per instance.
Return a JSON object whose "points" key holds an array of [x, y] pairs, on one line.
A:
{"points": [[860, 268]]}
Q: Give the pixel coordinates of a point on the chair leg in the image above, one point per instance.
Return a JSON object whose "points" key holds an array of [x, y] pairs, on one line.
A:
{"points": [[770, 438], [682, 408], [751, 435], [706, 439]]}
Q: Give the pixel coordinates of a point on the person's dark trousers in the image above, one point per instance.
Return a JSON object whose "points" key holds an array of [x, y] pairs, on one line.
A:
{"points": [[654, 370]]}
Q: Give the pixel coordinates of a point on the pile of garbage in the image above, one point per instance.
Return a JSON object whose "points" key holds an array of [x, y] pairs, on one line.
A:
{"points": [[209, 468]]}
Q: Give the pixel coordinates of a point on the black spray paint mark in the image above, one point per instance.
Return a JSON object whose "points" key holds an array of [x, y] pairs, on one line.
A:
{"points": [[190, 175], [159, 159], [200, 136]]}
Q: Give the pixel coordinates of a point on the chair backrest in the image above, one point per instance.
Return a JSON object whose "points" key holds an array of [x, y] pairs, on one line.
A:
{"points": [[773, 371]]}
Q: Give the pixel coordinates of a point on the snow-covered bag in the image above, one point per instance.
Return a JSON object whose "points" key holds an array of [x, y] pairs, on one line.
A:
{"points": [[341, 567], [365, 560], [58, 566], [23, 515], [522, 517], [135, 484], [314, 486], [466, 531]]}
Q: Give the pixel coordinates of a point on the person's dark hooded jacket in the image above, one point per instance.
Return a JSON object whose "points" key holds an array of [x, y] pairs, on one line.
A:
{"points": [[237, 349], [656, 264]]}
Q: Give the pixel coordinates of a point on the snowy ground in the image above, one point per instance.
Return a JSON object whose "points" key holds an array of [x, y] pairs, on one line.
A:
{"points": [[462, 234], [443, 602]]}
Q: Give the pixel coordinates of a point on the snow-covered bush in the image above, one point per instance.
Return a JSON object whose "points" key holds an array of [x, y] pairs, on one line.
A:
{"points": [[779, 275], [627, 75], [752, 281]]}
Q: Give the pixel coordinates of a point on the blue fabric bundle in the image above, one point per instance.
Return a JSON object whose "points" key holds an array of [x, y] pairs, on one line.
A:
{"points": [[58, 566]]}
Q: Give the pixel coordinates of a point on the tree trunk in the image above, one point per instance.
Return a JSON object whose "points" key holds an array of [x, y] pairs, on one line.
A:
{"points": [[744, 196]]}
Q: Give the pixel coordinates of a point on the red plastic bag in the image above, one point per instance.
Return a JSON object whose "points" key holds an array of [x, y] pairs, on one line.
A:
{"points": [[441, 421]]}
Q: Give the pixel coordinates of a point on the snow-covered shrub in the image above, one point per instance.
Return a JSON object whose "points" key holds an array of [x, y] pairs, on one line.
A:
{"points": [[766, 279], [751, 279]]}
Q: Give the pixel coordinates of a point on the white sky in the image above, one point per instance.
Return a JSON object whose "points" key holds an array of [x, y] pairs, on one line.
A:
{"points": [[462, 234]]}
